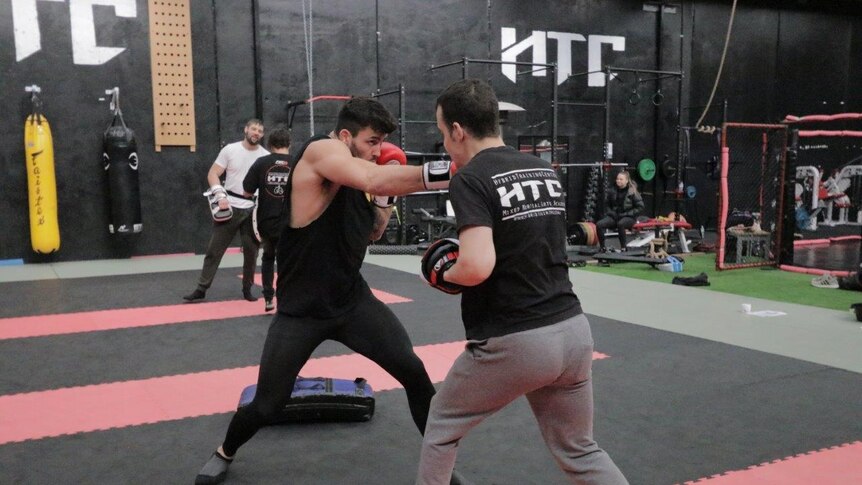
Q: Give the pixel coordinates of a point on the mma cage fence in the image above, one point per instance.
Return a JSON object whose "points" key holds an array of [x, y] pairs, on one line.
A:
{"points": [[828, 192], [751, 199], [790, 197]]}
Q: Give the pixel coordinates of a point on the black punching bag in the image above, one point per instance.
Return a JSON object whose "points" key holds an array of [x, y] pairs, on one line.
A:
{"points": [[120, 157]]}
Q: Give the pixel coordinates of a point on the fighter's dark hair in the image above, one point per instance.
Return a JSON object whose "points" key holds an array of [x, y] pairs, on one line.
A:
{"points": [[361, 112], [279, 137], [472, 104]]}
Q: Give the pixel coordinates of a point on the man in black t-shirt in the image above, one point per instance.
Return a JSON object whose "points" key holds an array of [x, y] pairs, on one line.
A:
{"points": [[526, 332], [268, 177]]}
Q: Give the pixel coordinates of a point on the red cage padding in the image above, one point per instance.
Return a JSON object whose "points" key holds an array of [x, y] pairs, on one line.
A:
{"points": [[811, 118], [844, 133]]}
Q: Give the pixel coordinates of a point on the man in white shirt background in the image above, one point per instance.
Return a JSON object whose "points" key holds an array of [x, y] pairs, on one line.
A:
{"points": [[233, 162]]}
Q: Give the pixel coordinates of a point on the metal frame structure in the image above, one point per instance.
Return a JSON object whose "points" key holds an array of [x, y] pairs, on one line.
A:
{"points": [[400, 91], [402, 122], [607, 145], [466, 61]]}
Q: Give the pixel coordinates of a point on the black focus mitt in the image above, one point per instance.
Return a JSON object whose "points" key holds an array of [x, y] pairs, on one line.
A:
{"points": [[439, 257]]}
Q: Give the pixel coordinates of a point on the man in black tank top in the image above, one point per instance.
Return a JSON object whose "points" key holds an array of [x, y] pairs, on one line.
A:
{"points": [[526, 333], [329, 222]]}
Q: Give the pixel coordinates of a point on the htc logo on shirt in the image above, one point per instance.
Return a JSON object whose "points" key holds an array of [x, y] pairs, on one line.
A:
{"points": [[277, 178], [529, 193]]}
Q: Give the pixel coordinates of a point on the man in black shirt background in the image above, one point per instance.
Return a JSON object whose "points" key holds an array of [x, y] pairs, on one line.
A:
{"points": [[268, 177]]}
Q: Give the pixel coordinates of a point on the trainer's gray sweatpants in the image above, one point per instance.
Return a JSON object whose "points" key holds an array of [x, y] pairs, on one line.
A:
{"points": [[552, 367], [223, 233]]}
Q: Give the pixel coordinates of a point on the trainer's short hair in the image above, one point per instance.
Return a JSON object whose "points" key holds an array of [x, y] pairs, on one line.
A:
{"points": [[361, 112], [253, 121], [279, 137], [472, 104]]}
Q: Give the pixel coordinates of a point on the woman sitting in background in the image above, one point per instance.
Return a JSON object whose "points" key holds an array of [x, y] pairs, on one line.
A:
{"points": [[623, 204]]}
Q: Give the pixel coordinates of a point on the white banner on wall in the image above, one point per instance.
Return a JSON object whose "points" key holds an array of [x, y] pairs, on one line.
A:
{"points": [[28, 35], [537, 42]]}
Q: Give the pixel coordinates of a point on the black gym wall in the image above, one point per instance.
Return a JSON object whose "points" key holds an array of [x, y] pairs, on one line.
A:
{"points": [[250, 60]]}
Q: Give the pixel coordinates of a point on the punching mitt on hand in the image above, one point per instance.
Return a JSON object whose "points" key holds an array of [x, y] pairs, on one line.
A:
{"points": [[439, 257], [214, 195], [390, 154]]}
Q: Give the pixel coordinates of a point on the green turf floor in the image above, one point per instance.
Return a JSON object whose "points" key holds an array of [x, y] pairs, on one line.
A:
{"points": [[768, 283]]}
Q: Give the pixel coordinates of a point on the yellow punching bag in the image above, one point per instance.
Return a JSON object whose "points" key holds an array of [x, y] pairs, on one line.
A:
{"points": [[42, 184]]}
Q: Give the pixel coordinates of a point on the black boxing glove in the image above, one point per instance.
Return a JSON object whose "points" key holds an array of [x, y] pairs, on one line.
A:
{"points": [[439, 257]]}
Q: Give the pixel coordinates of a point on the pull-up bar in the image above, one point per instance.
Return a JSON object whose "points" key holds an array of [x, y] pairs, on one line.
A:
{"points": [[466, 60], [645, 71], [663, 74], [292, 105]]}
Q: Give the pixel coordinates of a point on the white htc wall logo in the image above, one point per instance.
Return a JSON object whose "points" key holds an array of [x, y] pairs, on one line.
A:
{"points": [[28, 37], [538, 41]]}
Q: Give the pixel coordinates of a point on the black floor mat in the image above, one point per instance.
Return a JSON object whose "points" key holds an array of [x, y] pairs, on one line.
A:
{"points": [[669, 408]]}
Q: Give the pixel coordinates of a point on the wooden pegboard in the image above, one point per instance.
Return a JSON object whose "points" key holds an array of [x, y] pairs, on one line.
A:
{"points": [[172, 76]]}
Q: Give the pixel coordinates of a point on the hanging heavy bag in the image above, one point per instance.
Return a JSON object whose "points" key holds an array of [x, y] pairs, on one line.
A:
{"points": [[41, 179], [120, 158]]}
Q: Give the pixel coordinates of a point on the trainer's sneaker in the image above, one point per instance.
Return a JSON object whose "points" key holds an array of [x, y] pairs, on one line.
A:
{"points": [[214, 471], [825, 281], [196, 295], [268, 305], [246, 293]]}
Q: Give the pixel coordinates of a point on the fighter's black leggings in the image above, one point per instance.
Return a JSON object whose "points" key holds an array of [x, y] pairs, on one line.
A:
{"points": [[370, 329]]}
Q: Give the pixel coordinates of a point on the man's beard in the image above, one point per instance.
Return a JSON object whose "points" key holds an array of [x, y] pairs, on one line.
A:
{"points": [[354, 152], [251, 141]]}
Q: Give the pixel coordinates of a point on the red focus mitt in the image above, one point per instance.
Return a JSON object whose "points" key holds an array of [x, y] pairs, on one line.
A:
{"points": [[439, 257], [390, 154]]}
